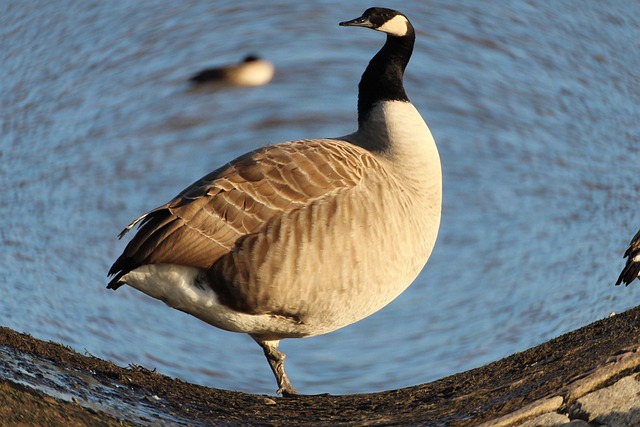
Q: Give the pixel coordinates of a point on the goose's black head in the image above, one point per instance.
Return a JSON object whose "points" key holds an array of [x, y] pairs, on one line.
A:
{"points": [[388, 21], [382, 80]]}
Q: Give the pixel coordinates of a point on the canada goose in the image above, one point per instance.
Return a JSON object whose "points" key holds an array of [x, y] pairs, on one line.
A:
{"points": [[303, 237], [252, 71], [632, 269]]}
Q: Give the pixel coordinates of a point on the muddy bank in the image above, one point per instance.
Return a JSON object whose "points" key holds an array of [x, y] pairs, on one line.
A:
{"points": [[44, 383]]}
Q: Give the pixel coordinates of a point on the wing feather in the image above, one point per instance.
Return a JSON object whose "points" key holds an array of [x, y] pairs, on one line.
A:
{"points": [[632, 266], [205, 221]]}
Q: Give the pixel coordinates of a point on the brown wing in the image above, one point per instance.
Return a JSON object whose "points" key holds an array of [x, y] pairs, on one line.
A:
{"points": [[205, 220]]}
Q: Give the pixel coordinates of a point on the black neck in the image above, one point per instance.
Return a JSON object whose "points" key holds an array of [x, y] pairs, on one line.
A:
{"points": [[382, 80]]}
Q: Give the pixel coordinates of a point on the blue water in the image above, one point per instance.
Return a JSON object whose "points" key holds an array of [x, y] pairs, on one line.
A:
{"points": [[534, 106]]}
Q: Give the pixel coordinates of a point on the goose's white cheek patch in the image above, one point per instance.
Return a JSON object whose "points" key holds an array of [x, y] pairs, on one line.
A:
{"points": [[396, 26]]}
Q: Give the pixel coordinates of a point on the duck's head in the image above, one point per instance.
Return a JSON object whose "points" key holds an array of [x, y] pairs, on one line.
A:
{"points": [[388, 21]]}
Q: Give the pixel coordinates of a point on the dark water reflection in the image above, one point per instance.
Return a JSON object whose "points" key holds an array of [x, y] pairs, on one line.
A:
{"points": [[534, 106]]}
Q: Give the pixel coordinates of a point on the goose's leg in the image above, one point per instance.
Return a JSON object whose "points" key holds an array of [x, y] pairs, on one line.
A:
{"points": [[276, 361]]}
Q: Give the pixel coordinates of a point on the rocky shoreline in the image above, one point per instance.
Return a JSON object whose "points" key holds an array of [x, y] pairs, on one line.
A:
{"points": [[588, 377]]}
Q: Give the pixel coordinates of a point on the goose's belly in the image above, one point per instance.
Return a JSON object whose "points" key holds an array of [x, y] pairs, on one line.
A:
{"points": [[357, 257], [323, 268]]}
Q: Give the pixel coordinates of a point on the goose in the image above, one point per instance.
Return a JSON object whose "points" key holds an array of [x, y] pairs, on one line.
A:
{"points": [[252, 71], [303, 237], [632, 268]]}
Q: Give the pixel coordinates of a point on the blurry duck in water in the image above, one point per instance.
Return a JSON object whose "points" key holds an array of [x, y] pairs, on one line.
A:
{"points": [[252, 71]]}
